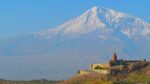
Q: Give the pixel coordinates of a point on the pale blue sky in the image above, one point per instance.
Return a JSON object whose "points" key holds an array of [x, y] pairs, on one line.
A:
{"points": [[22, 16]]}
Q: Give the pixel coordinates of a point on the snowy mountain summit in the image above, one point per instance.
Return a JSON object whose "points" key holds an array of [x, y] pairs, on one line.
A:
{"points": [[101, 19]]}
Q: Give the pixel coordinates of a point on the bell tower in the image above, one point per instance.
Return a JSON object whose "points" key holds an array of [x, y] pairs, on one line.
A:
{"points": [[114, 57]]}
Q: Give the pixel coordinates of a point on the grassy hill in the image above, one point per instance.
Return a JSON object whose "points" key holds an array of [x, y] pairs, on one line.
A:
{"points": [[139, 76]]}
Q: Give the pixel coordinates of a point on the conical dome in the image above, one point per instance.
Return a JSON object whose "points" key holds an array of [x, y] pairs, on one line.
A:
{"points": [[114, 57]]}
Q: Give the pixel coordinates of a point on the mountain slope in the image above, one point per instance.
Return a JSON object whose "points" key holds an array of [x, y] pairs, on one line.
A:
{"points": [[90, 38]]}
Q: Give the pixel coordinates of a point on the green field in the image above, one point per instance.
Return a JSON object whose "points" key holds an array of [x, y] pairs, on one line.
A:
{"points": [[29, 82]]}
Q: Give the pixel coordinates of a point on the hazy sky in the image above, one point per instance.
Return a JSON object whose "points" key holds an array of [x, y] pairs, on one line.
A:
{"points": [[22, 16]]}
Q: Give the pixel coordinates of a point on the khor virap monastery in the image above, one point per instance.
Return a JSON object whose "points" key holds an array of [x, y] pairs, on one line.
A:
{"points": [[115, 66]]}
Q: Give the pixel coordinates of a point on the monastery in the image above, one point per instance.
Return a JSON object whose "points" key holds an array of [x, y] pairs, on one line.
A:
{"points": [[115, 66]]}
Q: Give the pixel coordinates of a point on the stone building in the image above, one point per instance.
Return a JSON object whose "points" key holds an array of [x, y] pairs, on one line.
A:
{"points": [[113, 66]]}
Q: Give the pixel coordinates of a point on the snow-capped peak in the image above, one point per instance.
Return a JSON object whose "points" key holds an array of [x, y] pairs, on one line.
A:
{"points": [[100, 19]]}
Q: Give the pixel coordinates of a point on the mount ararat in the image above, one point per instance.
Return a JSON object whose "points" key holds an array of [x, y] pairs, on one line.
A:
{"points": [[57, 53]]}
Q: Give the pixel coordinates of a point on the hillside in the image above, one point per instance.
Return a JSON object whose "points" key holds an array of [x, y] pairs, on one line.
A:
{"points": [[138, 76]]}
